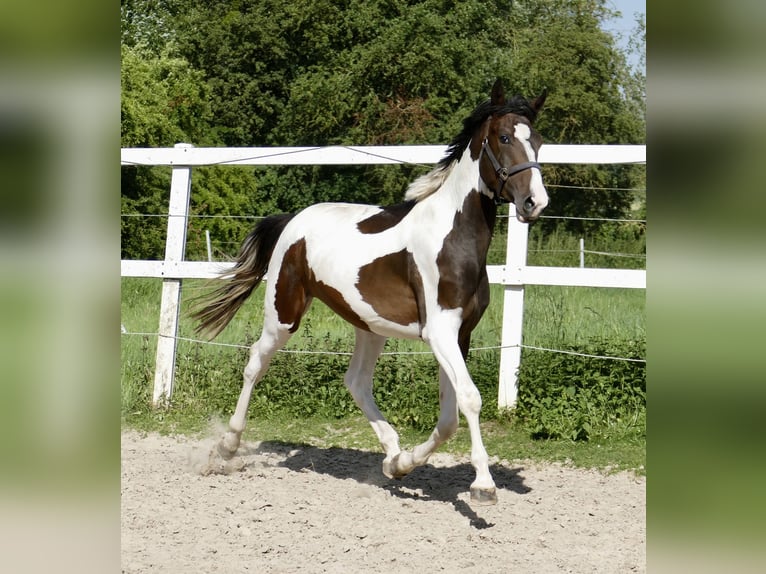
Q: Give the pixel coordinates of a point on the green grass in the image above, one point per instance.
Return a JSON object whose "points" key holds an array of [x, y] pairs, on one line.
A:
{"points": [[552, 316]]}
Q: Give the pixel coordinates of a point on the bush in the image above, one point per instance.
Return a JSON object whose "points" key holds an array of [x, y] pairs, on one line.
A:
{"points": [[560, 396], [581, 398]]}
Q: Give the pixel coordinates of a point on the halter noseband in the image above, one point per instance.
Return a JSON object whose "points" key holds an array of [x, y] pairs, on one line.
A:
{"points": [[504, 173]]}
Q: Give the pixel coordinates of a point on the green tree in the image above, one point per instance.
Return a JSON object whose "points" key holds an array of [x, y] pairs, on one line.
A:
{"points": [[560, 44], [165, 101], [146, 23], [320, 72]]}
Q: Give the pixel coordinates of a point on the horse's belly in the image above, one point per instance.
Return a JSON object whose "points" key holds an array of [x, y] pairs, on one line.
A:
{"points": [[397, 319], [387, 328]]}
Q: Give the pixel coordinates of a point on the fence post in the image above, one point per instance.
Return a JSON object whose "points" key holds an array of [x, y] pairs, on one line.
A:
{"points": [[513, 311], [175, 246], [582, 252]]}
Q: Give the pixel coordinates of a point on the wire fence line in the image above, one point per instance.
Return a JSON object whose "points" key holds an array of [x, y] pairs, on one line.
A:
{"points": [[596, 188], [572, 217], [385, 353], [608, 253], [256, 157], [636, 255], [499, 216], [193, 216], [531, 250]]}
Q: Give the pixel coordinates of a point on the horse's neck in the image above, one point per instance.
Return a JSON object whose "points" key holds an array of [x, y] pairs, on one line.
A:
{"points": [[462, 181], [460, 206]]}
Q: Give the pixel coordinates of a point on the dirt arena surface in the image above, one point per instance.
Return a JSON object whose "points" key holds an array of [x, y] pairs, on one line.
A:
{"points": [[285, 509]]}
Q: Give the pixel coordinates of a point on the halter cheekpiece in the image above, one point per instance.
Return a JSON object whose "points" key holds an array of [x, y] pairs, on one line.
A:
{"points": [[504, 173]]}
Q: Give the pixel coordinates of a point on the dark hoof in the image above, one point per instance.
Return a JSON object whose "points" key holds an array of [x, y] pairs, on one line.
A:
{"points": [[483, 496]]}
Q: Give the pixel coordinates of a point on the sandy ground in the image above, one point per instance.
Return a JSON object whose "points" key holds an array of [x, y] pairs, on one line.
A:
{"points": [[288, 509]]}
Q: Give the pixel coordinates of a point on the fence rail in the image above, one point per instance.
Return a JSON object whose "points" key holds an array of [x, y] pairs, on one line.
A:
{"points": [[514, 275]]}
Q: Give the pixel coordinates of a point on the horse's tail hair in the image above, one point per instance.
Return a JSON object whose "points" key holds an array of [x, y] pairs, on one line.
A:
{"points": [[218, 307]]}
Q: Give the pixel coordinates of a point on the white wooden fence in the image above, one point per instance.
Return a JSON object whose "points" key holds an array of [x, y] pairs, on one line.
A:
{"points": [[514, 275]]}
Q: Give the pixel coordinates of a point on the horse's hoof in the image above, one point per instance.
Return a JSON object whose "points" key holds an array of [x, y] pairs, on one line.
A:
{"points": [[483, 496], [389, 467], [216, 465], [224, 452]]}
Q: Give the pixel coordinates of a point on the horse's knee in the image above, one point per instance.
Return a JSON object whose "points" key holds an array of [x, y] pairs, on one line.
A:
{"points": [[469, 400]]}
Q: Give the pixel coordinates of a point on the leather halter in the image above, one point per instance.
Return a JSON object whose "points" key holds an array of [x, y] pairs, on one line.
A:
{"points": [[504, 173]]}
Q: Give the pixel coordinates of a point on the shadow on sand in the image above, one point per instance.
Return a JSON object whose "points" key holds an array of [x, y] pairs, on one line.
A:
{"points": [[429, 483]]}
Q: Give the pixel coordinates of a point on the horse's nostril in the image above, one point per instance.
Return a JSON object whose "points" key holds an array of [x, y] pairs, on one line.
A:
{"points": [[529, 204]]}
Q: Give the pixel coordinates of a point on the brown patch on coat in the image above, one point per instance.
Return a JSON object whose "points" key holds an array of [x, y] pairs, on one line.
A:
{"points": [[392, 285], [291, 298], [462, 260], [297, 285], [472, 314], [385, 219]]}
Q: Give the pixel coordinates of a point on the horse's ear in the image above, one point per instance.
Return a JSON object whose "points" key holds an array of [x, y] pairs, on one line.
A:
{"points": [[537, 103], [498, 93]]}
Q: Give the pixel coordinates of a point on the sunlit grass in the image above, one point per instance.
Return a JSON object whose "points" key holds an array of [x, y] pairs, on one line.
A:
{"points": [[502, 439]]}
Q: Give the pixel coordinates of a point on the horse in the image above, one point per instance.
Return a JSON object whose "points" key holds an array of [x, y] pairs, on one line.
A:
{"points": [[413, 270]]}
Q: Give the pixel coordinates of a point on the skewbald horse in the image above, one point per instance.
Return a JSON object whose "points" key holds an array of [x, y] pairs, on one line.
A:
{"points": [[412, 270]]}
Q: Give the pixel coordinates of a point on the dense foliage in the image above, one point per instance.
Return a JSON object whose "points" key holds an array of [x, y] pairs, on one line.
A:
{"points": [[560, 396], [319, 72], [579, 398]]}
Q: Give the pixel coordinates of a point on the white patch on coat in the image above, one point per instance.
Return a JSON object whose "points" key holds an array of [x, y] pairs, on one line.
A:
{"points": [[537, 190], [336, 250], [523, 133]]}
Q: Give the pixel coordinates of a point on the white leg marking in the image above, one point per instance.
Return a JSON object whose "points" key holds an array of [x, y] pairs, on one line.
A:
{"points": [[447, 352], [446, 425], [273, 337], [358, 380]]}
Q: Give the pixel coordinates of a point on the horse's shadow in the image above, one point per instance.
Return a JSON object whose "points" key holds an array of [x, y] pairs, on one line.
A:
{"points": [[427, 482]]}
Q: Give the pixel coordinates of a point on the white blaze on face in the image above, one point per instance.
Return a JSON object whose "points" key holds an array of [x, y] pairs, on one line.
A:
{"points": [[522, 132]]}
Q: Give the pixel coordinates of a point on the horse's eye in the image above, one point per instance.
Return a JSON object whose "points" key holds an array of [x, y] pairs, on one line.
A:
{"points": [[505, 139]]}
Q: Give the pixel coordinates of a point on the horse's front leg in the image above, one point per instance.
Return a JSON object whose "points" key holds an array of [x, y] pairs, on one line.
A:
{"points": [[272, 339], [448, 353]]}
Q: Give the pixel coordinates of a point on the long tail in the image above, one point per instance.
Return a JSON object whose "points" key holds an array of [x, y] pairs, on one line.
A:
{"points": [[219, 307]]}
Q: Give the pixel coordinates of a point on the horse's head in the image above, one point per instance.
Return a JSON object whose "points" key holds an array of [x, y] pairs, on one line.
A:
{"points": [[508, 163]]}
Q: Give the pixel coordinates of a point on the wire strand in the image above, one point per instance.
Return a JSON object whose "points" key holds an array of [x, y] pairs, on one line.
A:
{"points": [[387, 353]]}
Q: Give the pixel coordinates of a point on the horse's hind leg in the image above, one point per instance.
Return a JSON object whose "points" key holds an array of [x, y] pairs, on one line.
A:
{"points": [[446, 426], [273, 337], [358, 380]]}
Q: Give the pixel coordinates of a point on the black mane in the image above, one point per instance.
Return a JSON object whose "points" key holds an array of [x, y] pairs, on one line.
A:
{"points": [[517, 105]]}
